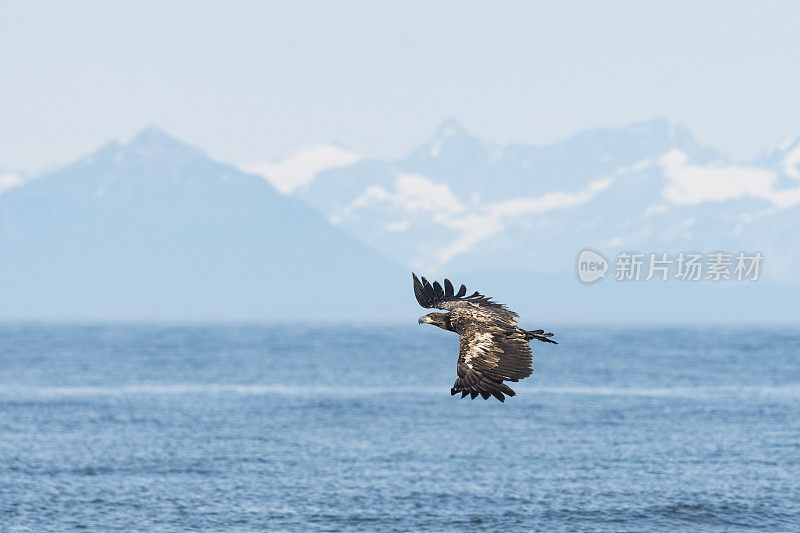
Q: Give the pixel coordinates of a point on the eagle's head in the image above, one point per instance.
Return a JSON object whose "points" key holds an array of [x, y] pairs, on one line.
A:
{"points": [[439, 320]]}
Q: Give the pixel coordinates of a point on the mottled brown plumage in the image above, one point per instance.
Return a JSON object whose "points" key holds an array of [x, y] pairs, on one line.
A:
{"points": [[493, 348]]}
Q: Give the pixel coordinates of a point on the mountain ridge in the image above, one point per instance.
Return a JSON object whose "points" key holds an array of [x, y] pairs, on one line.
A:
{"points": [[154, 228], [458, 198]]}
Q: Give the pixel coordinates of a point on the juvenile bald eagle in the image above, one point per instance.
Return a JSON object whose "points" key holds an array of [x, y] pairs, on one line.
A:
{"points": [[493, 347]]}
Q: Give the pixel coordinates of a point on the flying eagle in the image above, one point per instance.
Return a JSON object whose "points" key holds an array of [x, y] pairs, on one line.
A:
{"points": [[493, 347]]}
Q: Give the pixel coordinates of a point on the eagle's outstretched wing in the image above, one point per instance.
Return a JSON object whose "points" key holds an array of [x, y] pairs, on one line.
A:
{"points": [[492, 351], [446, 298]]}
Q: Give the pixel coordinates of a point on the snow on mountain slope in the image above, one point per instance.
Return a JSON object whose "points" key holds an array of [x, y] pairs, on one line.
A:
{"points": [[9, 179], [461, 202], [299, 170]]}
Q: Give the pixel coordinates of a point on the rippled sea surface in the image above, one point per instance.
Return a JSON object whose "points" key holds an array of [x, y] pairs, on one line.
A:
{"points": [[303, 428]]}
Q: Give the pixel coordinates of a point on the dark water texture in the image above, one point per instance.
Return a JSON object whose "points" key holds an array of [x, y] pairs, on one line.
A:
{"points": [[302, 428]]}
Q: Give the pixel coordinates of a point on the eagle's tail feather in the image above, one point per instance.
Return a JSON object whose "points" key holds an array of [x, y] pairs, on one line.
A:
{"points": [[539, 335]]}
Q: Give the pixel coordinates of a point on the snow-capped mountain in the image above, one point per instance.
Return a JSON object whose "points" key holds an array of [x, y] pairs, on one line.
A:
{"points": [[462, 203], [154, 228]]}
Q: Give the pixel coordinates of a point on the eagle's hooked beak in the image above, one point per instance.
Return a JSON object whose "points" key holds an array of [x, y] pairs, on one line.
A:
{"points": [[423, 320]]}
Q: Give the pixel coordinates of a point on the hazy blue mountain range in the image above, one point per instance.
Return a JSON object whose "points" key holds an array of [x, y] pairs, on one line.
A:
{"points": [[462, 203], [515, 217], [154, 228]]}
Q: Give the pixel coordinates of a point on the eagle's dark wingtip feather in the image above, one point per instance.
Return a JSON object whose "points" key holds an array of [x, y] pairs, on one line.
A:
{"points": [[429, 292], [462, 291], [448, 288], [499, 391], [420, 293], [438, 292]]}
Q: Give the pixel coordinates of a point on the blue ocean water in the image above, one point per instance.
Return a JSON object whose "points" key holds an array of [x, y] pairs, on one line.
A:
{"points": [[307, 428]]}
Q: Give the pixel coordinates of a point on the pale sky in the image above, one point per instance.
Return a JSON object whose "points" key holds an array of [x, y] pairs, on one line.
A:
{"points": [[254, 82]]}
